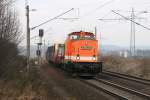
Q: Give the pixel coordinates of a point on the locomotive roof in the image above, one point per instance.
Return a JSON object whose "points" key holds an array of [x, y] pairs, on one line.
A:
{"points": [[77, 33]]}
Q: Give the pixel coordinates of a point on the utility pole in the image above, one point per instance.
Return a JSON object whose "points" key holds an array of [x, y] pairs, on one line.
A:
{"points": [[28, 29], [28, 37], [133, 22], [132, 36]]}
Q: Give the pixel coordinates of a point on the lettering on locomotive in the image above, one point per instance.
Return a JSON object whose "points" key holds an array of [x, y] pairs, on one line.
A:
{"points": [[86, 47]]}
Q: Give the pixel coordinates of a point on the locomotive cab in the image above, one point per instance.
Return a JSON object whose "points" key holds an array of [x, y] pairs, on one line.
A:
{"points": [[82, 36]]}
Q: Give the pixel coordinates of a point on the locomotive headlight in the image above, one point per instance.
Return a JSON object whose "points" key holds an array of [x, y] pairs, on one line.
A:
{"points": [[78, 58], [94, 58]]}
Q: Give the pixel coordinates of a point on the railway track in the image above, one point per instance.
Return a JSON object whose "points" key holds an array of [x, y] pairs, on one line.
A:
{"points": [[121, 86], [94, 84], [117, 91], [127, 77], [132, 92]]}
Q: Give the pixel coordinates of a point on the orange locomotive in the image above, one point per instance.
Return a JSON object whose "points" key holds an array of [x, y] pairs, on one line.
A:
{"points": [[78, 55]]}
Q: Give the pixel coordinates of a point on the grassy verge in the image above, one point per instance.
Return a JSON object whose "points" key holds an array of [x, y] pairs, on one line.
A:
{"points": [[16, 83], [139, 67]]}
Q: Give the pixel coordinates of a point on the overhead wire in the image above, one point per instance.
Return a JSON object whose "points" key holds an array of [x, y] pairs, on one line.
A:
{"points": [[93, 11], [106, 3], [131, 20], [106, 15], [101, 6], [72, 9], [52, 19]]}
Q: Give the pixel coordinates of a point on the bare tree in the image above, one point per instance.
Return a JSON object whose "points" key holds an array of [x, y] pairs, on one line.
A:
{"points": [[9, 24], [9, 32]]}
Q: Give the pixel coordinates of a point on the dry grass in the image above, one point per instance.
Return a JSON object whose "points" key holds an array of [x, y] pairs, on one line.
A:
{"points": [[46, 83], [16, 83], [139, 67]]}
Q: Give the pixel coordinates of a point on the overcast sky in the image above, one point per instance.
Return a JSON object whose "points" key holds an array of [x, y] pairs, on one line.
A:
{"points": [[89, 11]]}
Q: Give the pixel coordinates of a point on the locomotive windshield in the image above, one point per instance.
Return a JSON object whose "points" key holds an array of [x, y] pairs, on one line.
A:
{"points": [[87, 37], [82, 37], [74, 37]]}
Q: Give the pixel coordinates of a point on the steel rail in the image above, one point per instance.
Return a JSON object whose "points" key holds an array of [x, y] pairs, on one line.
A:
{"points": [[127, 77], [120, 97], [146, 96]]}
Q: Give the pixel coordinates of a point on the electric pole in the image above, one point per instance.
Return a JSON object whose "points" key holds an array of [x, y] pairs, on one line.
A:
{"points": [[132, 36], [28, 37], [133, 22], [28, 29]]}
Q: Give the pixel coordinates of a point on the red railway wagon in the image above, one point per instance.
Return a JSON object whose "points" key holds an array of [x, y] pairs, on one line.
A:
{"points": [[79, 54], [55, 53]]}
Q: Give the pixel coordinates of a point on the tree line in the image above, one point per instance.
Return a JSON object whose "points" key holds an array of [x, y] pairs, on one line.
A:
{"points": [[10, 35]]}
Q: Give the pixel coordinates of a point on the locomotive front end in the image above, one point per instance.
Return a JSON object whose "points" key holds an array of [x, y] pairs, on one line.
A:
{"points": [[81, 53]]}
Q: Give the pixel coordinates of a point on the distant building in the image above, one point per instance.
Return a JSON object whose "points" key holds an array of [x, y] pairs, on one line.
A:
{"points": [[124, 53]]}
